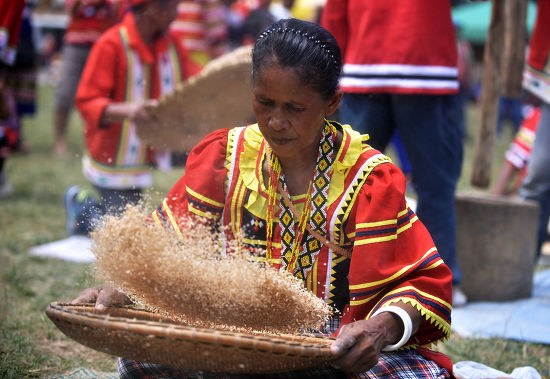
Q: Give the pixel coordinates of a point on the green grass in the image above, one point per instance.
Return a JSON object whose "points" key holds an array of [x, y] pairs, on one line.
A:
{"points": [[31, 346]]}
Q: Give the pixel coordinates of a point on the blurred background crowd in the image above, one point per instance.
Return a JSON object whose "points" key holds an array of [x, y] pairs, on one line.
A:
{"points": [[55, 37]]}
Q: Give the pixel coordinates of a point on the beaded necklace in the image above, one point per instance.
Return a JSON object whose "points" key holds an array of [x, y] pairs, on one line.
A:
{"points": [[314, 211]]}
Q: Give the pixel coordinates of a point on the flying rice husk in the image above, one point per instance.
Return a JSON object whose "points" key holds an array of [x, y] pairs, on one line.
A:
{"points": [[220, 96], [187, 279]]}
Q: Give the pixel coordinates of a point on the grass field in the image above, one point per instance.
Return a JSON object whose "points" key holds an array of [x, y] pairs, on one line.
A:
{"points": [[31, 346]]}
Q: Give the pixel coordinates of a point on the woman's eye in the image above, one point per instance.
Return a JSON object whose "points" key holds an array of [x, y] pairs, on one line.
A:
{"points": [[265, 103], [294, 108]]}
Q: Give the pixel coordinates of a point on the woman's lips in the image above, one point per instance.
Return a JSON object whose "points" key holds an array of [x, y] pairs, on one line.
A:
{"points": [[281, 141]]}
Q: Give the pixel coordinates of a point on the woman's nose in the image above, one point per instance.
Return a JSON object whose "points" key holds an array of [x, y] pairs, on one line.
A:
{"points": [[278, 121]]}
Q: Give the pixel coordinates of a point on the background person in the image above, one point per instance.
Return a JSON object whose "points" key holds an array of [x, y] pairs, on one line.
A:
{"points": [[20, 80], [129, 67], [11, 13], [514, 166], [88, 19], [536, 79], [202, 29], [400, 72]]}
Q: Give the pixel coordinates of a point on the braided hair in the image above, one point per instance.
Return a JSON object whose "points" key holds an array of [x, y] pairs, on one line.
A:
{"points": [[307, 47]]}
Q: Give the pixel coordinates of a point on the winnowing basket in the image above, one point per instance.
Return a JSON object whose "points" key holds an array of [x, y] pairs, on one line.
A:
{"points": [[148, 337], [220, 96]]}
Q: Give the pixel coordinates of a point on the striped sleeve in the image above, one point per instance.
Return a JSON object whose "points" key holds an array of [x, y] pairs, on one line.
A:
{"points": [[394, 258]]}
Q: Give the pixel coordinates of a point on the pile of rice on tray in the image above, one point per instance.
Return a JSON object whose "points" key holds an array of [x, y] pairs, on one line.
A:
{"points": [[186, 278]]}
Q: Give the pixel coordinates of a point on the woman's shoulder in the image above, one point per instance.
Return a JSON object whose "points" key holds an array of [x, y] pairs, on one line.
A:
{"points": [[215, 140], [355, 149], [359, 160], [210, 152], [221, 143]]}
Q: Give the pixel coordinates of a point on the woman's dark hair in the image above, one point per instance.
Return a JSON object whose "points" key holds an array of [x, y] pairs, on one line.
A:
{"points": [[307, 47]]}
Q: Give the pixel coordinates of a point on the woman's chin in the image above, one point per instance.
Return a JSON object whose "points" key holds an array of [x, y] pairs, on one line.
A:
{"points": [[285, 150]]}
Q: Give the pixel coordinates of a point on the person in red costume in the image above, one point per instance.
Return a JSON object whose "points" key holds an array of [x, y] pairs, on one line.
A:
{"points": [[400, 73], [311, 197], [130, 66], [202, 28], [11, 13]]}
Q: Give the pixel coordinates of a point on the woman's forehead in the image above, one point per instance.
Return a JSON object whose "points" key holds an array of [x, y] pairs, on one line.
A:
{"points": [[275, 68], [282, 82]]}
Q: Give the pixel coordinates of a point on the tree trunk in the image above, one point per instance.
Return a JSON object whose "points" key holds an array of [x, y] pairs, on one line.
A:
{"points": [[483, 152], [514, 47]]}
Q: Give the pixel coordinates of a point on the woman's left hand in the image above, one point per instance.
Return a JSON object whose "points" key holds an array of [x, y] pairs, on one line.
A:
{"points": [[359, 343]]}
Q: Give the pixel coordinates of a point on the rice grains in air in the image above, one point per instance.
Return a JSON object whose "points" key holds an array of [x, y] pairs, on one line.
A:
{"points": [[187, 279]]}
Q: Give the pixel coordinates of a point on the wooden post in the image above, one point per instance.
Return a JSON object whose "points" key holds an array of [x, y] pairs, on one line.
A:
{"points": [[514, 47], [490, 94]]}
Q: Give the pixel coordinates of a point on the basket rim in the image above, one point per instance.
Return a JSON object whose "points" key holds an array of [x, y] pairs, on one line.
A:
{"points": [[281, 344]]}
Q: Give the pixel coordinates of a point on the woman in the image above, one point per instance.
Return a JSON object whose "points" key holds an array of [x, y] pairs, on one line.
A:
{"points": [[310, 196]]}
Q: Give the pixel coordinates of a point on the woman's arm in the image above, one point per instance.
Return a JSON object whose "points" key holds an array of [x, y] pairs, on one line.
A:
{"points": [[137, 112], [394, 264]]}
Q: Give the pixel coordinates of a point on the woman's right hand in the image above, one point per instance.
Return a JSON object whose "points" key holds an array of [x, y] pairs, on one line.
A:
{"points": [[103, 296]]}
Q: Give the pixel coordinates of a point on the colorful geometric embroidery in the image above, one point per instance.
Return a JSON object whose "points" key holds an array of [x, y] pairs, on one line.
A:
{"points": [[317, 201]]}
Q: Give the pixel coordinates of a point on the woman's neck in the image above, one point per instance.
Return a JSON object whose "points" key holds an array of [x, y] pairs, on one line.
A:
{"points": [[299, 171], [298, 175]]}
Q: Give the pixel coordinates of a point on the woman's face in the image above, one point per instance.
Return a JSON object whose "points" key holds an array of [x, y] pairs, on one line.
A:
{"points": [[289, 113]]}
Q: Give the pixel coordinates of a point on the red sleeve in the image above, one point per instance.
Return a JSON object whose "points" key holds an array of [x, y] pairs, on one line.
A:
{"points": [[394, 258], [97, 86], [200, 192], [335, 19], [539, 46]]}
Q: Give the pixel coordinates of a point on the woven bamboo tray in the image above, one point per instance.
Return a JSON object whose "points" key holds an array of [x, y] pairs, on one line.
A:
{"points": [[148, 337], [220, 96]]}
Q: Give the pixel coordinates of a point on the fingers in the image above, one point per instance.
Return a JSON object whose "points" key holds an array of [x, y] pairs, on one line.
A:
{"points": [[342, 344], [360, 357], [89, 295], [354, 349], [108, 297], [103, 296]]}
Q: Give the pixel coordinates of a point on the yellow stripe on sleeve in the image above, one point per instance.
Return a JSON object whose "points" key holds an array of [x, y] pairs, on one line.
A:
{"points": [[171, 217], [156, 218], [202, 213], [203, 198], [392, 277]]}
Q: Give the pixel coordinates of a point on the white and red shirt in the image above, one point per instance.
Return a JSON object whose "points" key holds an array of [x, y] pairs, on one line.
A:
{"points": [[122, 68], [395, 46]]}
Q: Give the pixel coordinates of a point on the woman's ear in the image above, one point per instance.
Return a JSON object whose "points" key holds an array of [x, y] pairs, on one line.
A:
{"points": [[334, 102]]}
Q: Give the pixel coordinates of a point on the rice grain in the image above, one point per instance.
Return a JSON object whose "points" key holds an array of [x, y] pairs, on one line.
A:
{"points": [[187, 279]]}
